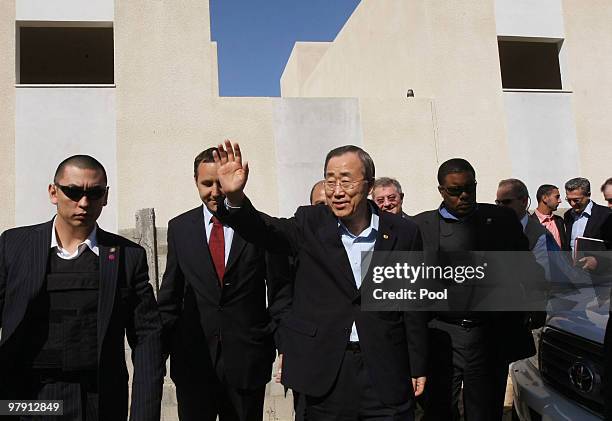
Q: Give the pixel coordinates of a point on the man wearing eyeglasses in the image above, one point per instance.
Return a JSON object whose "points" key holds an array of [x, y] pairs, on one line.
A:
{"points": [[586, 219], [349, 364], [388, 196], [69, 293], [470, 349]]}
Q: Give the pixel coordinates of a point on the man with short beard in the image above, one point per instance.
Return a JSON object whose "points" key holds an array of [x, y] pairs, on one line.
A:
{"points": [[549, 199]]}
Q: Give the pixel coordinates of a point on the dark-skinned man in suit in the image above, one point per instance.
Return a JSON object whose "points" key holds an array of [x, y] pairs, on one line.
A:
{"points": [[349, 364], [69, 292], [470, 350]]}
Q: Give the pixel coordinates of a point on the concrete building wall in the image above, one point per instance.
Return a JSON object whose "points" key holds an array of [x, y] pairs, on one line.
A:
{"points": [[400, 137], [542, 138], [164, 82], [52, 124], [65, 10], [304, 131], [7, 115], [527, 18], [304, 57], [444, 51], [589, 42]]}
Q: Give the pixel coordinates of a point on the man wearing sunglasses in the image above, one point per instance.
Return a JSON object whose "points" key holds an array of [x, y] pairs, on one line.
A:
{"points": [[69, 293], [470, 349]]}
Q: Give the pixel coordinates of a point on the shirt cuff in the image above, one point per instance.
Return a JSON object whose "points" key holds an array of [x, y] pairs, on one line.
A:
{"points": [[228, 206]]}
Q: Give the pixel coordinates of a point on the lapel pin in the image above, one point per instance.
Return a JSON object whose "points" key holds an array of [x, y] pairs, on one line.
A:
{"points": [[112, 249], [385, 236], [111, 257], [489, 221]]}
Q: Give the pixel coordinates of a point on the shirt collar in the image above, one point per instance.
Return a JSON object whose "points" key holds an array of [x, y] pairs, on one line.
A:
{"points": [[524, 220], [91, 241], [586, 212], [369, 230], [444, 213], [542, 217], [207, 216]]}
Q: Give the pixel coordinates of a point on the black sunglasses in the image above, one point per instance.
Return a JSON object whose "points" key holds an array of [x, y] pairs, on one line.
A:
{"points": [[458, 190], [76, 193]]}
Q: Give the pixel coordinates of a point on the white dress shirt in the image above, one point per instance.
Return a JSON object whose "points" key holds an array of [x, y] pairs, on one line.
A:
{"points": [[580, 223], [91, 242], [355, 245]]}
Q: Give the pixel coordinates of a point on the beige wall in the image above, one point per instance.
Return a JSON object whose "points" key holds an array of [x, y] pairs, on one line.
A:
{"points": [[304, 57], [164, 83], [589, 43], [159, 173], [444, 51], [7, 113], [399, 136]]}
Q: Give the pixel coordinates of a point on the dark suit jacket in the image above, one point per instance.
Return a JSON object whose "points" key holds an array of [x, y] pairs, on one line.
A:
{"points": [[326, 302], [598, 226], [497, 229], [198, 314], [126, 306]]}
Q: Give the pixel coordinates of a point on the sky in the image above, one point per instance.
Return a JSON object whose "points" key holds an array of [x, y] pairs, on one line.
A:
{"points": [[255, 37]]}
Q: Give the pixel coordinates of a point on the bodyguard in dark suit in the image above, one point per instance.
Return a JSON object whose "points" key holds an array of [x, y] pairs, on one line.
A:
{"points": [[69, 292], [218, 330], [469, 348], [350, 364]]}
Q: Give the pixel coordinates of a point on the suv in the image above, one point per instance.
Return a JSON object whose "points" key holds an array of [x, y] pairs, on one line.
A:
{"points": [[563, 380]]}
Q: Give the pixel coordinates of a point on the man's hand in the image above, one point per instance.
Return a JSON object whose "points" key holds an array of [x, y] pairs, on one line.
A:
{"points": [[418, 385], [587, 263], [279, 371], [232, 174]]}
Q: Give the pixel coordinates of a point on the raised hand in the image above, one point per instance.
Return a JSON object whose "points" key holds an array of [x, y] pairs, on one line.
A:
{"points": [[232, 173]]}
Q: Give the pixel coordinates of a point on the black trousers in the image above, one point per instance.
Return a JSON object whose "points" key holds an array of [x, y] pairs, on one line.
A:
{"points": [[352, 397], [80, 402], [459, 356], [199, 401]]}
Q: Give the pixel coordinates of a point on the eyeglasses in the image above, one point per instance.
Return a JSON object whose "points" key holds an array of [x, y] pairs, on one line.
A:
{"points": [[344, 185], [505, 202], [76, 193], [381, 200], [458, 190]]}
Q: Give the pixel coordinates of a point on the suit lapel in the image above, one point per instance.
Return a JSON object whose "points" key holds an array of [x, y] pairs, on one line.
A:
{"points": [[110, 257], [328, 234], [39, 258], [386, 238], [238, 244], [431, 231]]}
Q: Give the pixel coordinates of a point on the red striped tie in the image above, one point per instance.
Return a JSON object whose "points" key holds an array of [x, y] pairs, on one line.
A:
{"points": [[216, 245]]}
